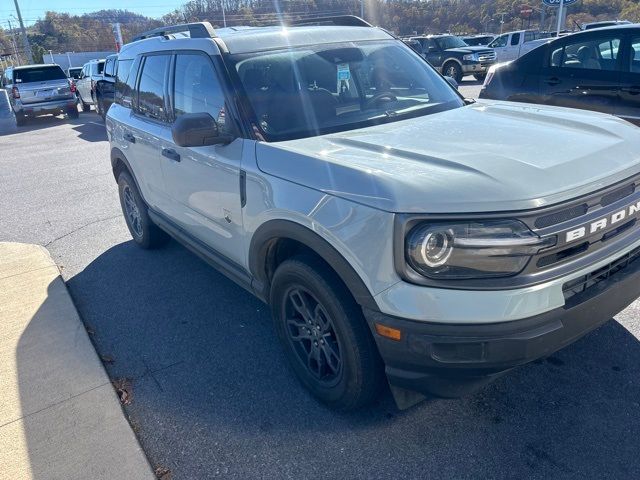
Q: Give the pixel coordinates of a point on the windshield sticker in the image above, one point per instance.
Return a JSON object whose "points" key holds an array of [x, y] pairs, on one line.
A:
{"points": [[344, 74]]}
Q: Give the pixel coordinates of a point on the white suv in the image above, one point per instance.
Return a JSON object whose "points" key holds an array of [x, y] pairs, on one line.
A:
{"points": [[393, 227]]}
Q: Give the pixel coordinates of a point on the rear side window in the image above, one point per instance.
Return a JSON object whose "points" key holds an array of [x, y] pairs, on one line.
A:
{"points": [[151, 87], [125, 81], [587, 54], [38, 74]]}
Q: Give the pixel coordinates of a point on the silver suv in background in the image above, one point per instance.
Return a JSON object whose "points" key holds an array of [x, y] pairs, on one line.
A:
{"points": [[38, 90], [86, 83], [321, 167]]}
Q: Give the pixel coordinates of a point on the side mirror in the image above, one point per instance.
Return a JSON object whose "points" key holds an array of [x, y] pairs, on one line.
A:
{"points": [[432, 49], [452, 82], [197, 130]]}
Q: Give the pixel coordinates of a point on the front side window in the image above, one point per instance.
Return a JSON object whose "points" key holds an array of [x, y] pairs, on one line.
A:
{"points": [[501, 41], [588, 54], [151, 99], [196, 88], [308, 91]]}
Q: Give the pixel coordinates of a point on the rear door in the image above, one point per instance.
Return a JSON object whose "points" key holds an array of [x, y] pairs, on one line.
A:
{"points": [[629, 104], [204, 182], [583, 71]]}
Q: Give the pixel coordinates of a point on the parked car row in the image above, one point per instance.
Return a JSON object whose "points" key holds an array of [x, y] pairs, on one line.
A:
{"points": [[46, 89], [597, 69]]}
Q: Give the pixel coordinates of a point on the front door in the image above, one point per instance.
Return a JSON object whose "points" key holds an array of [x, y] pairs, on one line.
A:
{"points": [[204, 182], [629, 105], [583, 72]]}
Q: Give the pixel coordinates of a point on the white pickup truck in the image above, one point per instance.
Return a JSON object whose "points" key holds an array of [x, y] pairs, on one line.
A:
{"points": [[512, 45]]}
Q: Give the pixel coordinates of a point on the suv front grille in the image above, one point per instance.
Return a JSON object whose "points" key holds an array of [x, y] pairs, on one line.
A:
{"points": [[592, 279], [487, 56]]}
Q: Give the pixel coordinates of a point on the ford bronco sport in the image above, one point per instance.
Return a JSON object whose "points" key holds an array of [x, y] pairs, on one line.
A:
{"points": [[321, 167]]}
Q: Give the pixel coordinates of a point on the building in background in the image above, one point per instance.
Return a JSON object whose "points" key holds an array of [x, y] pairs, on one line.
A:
{"points": [[73, 59]]}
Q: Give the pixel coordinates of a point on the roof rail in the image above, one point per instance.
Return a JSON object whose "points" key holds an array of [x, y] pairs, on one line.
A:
{"points": [[196, 30], [338, 21]]}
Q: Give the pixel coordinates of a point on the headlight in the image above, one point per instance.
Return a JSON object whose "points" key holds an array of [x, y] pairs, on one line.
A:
{"points": [[482, 249], [471, 57]]}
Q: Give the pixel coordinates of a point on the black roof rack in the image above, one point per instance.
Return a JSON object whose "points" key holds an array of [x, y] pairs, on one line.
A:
{"points": [[338, 21], [196, 30]]}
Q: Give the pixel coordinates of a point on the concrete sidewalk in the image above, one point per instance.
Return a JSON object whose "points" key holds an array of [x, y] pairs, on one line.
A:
{"points": [[59, 415]]}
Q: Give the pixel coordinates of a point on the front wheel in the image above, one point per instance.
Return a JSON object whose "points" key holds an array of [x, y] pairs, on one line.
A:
{"points": [[143, 231], [85, 106], [453, 70], [324, 334]]}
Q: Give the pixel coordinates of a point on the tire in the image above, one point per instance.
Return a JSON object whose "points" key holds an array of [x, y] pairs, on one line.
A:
{"points": [[85, 106], [347, 372], [480, 77], [100, 109], [142, 229], [21, 120], [453, 70], [72, 112]]}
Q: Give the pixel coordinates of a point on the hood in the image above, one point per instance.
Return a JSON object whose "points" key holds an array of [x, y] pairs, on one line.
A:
{"points": [[485, 157], [470, 50]]}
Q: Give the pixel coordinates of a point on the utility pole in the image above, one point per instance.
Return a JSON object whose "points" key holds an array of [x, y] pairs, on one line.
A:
{"points": [[362, 9], [25, 39], [224, 18], [502, 14], [13, 39]]}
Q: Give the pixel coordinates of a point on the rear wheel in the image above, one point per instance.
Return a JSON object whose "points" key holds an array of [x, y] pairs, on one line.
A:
{"points": [[100, 108], [72, 112], [453, 70], [21, 120], [324, 334], [144, 232], [480, 77]]}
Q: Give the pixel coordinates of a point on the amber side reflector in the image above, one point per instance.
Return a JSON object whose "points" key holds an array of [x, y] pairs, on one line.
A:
{"points": [[392, 333]]}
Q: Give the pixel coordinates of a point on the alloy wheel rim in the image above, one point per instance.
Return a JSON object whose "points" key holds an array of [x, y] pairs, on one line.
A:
{"points": [[312, 336], [132, 211]]}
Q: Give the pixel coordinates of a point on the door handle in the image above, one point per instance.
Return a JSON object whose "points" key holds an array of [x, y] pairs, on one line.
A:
{"points": [[129, 138], [552, 81], [171, 154], [634, 90]]}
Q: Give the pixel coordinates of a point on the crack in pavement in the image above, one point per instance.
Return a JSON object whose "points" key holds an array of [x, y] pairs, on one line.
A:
{"points": [[81, 227]]}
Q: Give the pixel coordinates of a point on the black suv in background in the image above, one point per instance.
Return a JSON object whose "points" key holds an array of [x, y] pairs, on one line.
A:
{"points": [[105, 86], [454, 58], [595, 69]]}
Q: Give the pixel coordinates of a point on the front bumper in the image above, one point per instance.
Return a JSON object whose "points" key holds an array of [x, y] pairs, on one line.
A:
{"points": [[40, 108], [476, 68], [451, 360]]}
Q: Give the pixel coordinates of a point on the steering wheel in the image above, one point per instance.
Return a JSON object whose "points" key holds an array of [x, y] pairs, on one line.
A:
{"points": [[386, 96]]}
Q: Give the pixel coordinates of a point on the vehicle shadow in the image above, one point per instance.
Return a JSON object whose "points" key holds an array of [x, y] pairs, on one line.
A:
{"points": [[210, 382], [91, 131]]}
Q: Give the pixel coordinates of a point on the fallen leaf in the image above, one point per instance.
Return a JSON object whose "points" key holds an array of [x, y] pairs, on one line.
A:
{"points": [[163, 473], [124, 390], [107, 359]]}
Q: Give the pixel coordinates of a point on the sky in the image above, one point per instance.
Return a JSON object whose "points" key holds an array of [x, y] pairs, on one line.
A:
{"points": [[34, 9]]}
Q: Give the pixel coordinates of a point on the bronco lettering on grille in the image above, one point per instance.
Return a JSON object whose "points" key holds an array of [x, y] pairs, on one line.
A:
{"points": [[602, 223]]}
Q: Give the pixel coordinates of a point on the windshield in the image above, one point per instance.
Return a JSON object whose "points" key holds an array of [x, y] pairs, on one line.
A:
{"points": [[445, 43], [38, 74], [308, 91]]}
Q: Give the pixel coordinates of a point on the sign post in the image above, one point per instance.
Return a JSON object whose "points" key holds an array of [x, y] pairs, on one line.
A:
{"points": [[560, 12]]}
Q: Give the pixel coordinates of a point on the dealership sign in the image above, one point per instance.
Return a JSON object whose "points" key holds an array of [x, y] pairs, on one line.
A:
{"points": [[556, 3]]}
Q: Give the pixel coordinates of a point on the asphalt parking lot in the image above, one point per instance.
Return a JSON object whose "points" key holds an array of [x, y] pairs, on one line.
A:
{"points": [[212, 396]]}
